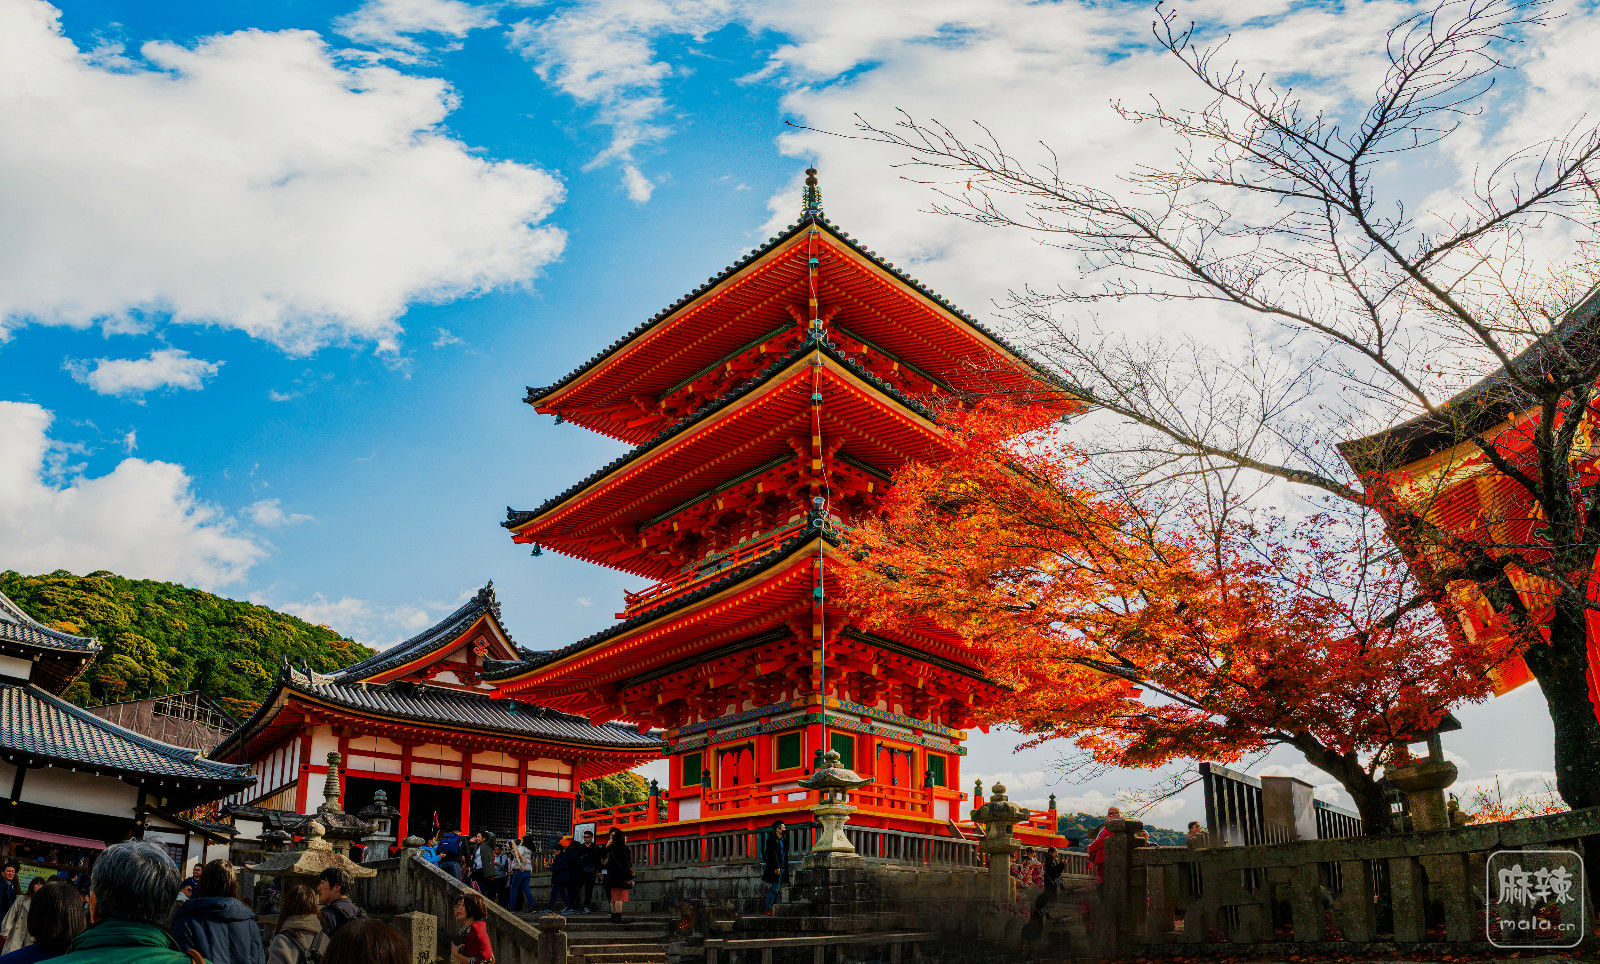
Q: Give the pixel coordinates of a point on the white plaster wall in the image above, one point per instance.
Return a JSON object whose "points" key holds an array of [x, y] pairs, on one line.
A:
{"points": [[564, 784], [323, 742], [450, 770], [13, 668], [82, 792]]}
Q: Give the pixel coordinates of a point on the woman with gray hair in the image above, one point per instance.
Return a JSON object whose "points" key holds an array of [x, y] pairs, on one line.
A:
{"points": [[130, 897]]}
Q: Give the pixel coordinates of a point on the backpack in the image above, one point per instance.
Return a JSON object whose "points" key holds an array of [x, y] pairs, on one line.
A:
{"points": [[450, 845], [311, 954], [341, 915]]}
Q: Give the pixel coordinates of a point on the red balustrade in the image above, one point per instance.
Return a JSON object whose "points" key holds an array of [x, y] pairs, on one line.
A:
{"points": [[686, 582]]}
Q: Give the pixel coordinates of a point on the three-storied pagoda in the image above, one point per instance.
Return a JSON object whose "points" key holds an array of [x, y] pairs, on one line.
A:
{"points": [[769, 408]]}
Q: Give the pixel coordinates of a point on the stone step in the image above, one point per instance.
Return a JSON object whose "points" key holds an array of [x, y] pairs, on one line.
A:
{"points": [[620, 953], [601, 937]]}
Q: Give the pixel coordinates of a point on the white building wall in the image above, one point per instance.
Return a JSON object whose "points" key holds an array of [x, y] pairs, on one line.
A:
{"points": [[81, 792]]}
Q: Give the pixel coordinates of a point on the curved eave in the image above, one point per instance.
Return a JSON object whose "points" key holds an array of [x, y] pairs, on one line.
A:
{"points": [[548, 399], [545, 664], [674, 440], [431, 642], [488, 733], [1478, 408]]}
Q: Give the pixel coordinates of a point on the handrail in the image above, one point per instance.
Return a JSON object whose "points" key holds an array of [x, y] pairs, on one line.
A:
{"points": [[683, 582]]}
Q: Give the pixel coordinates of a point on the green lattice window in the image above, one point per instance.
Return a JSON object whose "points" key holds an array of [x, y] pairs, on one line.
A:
{"points": [[788, 751], [844, 744], [936, 766], [691, 770]]}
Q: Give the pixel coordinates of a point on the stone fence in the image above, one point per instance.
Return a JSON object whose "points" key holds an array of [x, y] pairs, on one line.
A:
{"points": [[1323, 895], [422, 899]]}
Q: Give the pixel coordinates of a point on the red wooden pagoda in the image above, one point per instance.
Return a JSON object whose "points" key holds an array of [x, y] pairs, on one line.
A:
{"points": [[769, 407]]}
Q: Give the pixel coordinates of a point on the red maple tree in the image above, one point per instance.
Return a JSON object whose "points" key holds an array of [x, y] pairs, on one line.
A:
{"points": [[1150, 626]]}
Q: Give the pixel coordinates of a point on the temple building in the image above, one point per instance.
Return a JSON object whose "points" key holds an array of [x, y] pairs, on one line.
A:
{"points": [[769, 408], [74, 782], [420, 722], [1432, 466]]}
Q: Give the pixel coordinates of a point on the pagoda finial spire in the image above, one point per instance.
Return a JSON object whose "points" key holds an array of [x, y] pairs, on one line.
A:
{"points": [[813, 195]]}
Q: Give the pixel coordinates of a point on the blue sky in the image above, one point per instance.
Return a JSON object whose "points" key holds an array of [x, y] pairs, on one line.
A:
{"points": [[273, 276]]}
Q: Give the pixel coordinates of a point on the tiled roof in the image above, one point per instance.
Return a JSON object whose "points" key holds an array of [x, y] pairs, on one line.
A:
{"points": [[779, 553], [536, 394], [18, 626], [39, 725], [425, 642], [1482, 404], [516, 517], [453, 708]]}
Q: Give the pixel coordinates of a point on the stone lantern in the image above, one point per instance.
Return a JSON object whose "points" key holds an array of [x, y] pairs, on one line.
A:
{"points": [[340, 828], [832, 783], [1424, 781], [997, 816], [305, 866], [381, 816]]}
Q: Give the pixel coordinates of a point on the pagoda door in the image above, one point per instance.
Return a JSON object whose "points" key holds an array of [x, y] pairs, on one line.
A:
{"points": [[736, 766], [893, 766]]}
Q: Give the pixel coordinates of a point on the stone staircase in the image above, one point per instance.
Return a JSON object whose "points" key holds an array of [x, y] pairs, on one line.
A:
{"points": [[595, 939]]}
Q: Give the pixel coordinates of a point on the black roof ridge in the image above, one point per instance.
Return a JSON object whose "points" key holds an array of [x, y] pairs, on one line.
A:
{"points": [[535, 395], [517, 517], [779, 553], [175, 753], [483, 601], [424, 691], [1478, 406], [9, 608]]}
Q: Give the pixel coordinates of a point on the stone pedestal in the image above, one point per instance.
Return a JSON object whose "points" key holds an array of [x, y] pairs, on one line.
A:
{"points": [[1424, 783], [835, 892], [831, 842], [421, 932], [997, 816]]}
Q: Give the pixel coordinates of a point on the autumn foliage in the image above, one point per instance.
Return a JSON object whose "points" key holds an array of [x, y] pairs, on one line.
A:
{"points": [[1154, 626]]}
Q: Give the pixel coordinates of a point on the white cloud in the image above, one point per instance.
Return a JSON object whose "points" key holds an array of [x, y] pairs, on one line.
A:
{"points": [[130, 441], [269, 514], [445, 338], [602, 53], [360, 619], [254, 180], [584, 601], [142, 519], [394, 24], [163, 368]]}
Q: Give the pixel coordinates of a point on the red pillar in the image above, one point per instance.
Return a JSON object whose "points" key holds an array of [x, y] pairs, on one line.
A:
{"points": [[466, 791], [403, 825], [300, 791], [522, 797]]}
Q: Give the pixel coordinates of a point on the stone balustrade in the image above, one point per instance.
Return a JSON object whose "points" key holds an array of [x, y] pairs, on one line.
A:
{"points": [[1405, 888]]}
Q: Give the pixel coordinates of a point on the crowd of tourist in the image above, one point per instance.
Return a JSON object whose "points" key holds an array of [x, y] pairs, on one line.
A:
{"points": [[502, 870], [137, 910]]}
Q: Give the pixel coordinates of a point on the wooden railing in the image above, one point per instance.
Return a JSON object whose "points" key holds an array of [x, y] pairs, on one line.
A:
{"points": [[685, 582], [622, 815], [1407, 888]]}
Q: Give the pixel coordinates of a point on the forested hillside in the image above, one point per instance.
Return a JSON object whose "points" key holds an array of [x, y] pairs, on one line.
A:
{"points": [[1083, 826], [159, 637]]}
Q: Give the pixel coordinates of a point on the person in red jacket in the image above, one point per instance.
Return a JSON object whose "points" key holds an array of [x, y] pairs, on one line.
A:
{"points": [[1097, 849], [471, 944]]}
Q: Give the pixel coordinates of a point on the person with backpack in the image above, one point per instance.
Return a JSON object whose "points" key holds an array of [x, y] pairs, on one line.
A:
{"points": [[450, 854], [491, 878], [561, 870], [300, 939], [617, 863], [216, 924], [337, 908], [521, 893]]}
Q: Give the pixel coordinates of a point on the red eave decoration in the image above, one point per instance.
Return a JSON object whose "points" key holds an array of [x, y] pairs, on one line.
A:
{"points": [[617, 519], [759, 312]]}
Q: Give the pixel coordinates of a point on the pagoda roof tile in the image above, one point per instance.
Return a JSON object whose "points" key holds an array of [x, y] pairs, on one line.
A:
{"points": [[518, 517], [534, 395], [1481, 405], [39, 724], [782, 552], [17, 626], [445, 631]]}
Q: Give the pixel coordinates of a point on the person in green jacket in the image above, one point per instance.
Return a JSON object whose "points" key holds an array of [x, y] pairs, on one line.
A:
{"points": [[131, 894]]}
